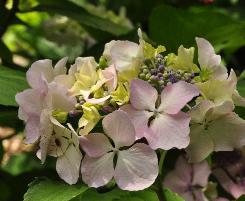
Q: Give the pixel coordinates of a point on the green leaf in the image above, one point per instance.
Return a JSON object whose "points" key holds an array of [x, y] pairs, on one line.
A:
{"points": [[9, 118], [16, 164], [242, 198], [93, 195], [129, 198], [145, 195], [172, 27], [11, 82], [241, 87], [240, 111], [47, 190], [171, 196], [242, 76], [78, 13], [119, 195]]}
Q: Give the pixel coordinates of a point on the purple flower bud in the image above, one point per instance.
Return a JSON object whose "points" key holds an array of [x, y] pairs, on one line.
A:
{"points": [[172, 78], [107, 109], [161, 67], [192, 75], [74, 113]]}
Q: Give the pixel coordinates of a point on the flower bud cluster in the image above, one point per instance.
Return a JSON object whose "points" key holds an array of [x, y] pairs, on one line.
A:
{"points": [[158, 75]]}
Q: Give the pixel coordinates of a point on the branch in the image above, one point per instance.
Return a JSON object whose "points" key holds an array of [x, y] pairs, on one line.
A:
{"points": [[9, 17]]}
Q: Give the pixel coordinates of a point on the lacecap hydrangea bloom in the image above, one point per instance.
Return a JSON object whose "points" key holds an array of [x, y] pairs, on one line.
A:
{"points": [[108, 119]]}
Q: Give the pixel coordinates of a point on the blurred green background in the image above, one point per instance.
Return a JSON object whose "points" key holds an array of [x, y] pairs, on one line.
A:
{"points": [[36, 29]]}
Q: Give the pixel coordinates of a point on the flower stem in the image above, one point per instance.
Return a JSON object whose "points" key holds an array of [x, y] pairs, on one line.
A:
{"points": [[162, 157], [159, 180]]}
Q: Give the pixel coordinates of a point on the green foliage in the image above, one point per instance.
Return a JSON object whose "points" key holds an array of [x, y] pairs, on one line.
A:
{"points": [[47, 190], [119, 195], [11, 82], [171, 196], [241, 87], [81, 15], [53, 29], [17, 164], [115, 194], [242, 198], [180, 26]]}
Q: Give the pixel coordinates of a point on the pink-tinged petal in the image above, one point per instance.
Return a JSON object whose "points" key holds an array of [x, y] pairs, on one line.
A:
{"points": [[32, 132], [174, 97], [59, 98], [60, 67], [65, 80], [183, 170], [139, 119], [201, 144], [136, 168], [199, 195], [186, 175], [68, 165], [119, 128], [39, 70], [97, 100], [227, 132], [107, 49], [110, 75], [95, 144], [22, 115], [30, 102], [98, 171], [177, 185], [123, 53], [201, 172], [232, 78], [206, 54], [142, 95], [170, 131], [46, 130], [235, 190]]}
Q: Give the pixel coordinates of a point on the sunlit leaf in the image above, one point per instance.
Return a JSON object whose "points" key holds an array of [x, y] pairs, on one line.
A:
{"points": [[78, 13], [11, 82], [47, 190], [171, 196]]}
